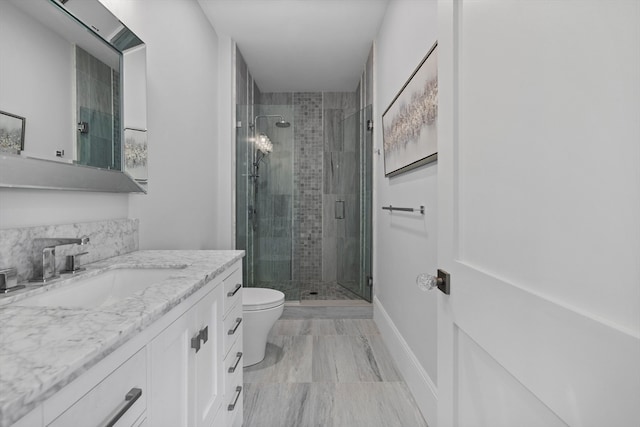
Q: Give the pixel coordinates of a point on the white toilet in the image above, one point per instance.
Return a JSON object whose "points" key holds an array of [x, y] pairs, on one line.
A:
{"points": [[261, 308]]}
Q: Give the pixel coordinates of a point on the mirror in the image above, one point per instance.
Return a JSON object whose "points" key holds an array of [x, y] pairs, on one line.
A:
{"points": [[78, 77]]}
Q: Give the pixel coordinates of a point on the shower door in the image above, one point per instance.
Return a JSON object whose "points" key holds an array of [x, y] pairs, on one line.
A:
{"points": [[353, 206], [244, 191], [264, 198]]}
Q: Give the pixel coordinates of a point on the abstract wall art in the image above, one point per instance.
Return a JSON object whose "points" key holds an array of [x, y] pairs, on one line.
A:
{"points": [[410, 123], [136, 154], [11, 133]]}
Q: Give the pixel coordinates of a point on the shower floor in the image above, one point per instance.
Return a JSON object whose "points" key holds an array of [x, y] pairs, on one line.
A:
{"points": [[312, 291]]}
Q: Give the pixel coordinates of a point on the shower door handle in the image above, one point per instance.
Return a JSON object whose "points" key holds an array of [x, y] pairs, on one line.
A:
{"points": [[339, 209]]}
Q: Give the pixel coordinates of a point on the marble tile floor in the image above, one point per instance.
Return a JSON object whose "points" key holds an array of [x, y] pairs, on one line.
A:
{"points": [[329, 372]]}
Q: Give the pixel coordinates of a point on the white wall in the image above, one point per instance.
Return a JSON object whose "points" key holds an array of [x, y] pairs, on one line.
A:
{"points": [[181, 209], [405, 243], [30, 208], [134, 75], [226, 136]]}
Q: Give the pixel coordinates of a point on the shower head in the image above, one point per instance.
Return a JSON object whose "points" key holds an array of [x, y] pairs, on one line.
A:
{"points": [[282, 123]]}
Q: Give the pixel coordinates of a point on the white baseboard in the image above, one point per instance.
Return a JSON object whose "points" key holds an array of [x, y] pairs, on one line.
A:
{"points": [[422, 388]]}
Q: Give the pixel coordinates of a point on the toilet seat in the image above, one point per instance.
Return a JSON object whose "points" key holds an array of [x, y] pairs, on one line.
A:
{"points": [[254, 299]]}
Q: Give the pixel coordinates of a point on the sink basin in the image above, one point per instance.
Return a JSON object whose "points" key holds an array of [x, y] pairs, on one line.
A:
{"points": [[104, 289]]}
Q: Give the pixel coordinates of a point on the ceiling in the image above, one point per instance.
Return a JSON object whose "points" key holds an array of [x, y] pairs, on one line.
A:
{"points": [[300, 45]]}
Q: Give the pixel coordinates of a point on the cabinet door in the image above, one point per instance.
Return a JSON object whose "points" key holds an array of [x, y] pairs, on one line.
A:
{"points": [[208, 363], [170, 359]]}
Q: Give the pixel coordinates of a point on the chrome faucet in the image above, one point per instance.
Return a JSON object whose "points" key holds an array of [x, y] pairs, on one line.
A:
{"points": [[9, 280], [44, 249]]}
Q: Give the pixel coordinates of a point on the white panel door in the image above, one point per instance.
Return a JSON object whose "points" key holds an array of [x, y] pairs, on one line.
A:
{"points": [[539, 213]]}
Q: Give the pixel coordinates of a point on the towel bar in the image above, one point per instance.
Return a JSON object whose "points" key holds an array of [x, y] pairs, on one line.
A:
{"points": [[394, 208]]}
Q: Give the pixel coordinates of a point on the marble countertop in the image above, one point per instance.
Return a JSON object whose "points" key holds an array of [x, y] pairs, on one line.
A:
{"points": [[42, 349]]}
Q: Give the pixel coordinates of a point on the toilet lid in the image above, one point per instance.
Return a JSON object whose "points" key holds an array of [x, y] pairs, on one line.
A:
{"points": [[261, 298]]}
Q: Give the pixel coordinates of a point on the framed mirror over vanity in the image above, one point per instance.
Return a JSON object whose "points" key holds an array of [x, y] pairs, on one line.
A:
{"points": [[76, 75]]}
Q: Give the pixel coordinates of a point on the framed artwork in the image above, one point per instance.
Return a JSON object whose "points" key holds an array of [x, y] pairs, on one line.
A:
{"points": [[11, 133], [410, 123], [135, 154]]}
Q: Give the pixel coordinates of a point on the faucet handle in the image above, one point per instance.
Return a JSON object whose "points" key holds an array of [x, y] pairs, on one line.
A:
{"points": [[9, 280], [73, 264]]}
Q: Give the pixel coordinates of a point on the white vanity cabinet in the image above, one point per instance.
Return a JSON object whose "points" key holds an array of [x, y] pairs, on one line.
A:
{"points": [[196, 368], [186, 367], [183, 370], [232, 337]]}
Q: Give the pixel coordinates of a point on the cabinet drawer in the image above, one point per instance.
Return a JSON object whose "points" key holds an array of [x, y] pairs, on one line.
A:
{"points": [[233, 290], [121, 392], [233, 362], [232, 381], [233, 395], [232, 327]]}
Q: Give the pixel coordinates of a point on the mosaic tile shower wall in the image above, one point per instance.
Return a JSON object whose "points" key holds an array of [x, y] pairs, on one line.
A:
{"points": [[308, 165]]}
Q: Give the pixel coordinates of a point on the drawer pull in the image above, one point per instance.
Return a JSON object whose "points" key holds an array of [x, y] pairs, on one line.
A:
{"points": [[232, 406], [235, 291], [235, 328], [129, 399], [204, 334], [232, 369], [195, 343]]}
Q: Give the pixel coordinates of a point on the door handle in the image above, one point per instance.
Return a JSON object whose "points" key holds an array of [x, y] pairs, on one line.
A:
{"points": [[427, 282]]}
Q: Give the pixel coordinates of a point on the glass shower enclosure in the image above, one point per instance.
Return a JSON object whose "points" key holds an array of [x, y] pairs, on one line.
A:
{"points": [[266, 202], [264, 195], [353, 205]]}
